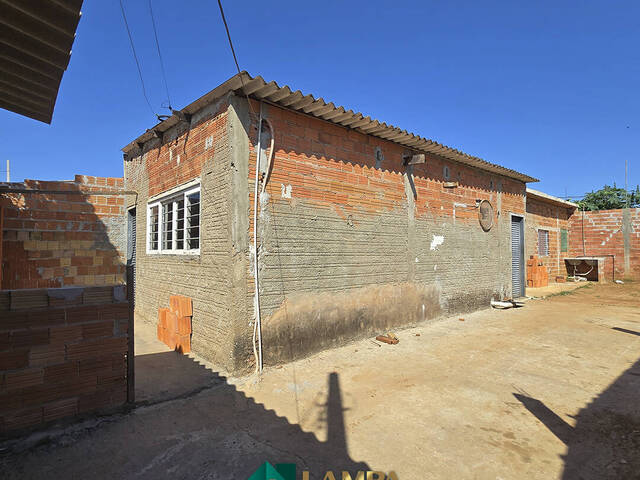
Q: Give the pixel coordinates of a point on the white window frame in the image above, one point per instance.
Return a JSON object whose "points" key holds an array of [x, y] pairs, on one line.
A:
{"points": [[174, 197]]}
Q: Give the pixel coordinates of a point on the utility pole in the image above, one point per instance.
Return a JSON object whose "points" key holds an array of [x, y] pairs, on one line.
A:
{"points": [[8, 172], [626, 186]]}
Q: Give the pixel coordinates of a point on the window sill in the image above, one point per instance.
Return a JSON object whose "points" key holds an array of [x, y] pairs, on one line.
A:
{"points": [[189, 253]]}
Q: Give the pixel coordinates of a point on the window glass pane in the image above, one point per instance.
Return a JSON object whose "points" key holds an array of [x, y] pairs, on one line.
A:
{"points": [[564, 240], [153, 228], [543, 243], [180, 224], [167, 226], [193, 220]]}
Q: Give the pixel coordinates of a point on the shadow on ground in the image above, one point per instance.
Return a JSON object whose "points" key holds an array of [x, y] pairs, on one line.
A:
{"points": [[218, 433], [605, 442]]}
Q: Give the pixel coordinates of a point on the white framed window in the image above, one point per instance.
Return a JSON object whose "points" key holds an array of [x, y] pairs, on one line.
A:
{"points": [[173, 222]]}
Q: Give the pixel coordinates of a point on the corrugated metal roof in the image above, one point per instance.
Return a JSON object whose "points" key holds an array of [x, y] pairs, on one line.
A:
{"points": [[259, 89], [550, 198], [35, 48]]}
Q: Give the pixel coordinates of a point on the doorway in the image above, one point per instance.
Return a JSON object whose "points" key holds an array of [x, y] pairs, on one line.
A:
{"points": [[517, 256]]}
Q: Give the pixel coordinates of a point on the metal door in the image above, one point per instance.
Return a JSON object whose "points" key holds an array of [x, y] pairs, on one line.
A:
{"points": [[517, 256]]}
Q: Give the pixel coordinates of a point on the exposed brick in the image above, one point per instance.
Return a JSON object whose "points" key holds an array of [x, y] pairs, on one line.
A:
{"points": [[97, 330], [29, 338], [23, 378], [87, 349], [46, 355], [23, 418], [60, 409], [14, 359]]}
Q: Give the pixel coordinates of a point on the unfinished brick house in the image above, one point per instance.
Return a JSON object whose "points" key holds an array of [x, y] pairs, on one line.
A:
{"points": [[361, 226], [547, 230]]}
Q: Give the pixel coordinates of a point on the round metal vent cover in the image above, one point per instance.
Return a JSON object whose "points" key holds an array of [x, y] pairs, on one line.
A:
{"points": [[485, 215]]}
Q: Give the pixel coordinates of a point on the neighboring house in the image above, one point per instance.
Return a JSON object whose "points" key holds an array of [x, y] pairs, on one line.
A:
{"points": [[362, 227], [547, 230]]}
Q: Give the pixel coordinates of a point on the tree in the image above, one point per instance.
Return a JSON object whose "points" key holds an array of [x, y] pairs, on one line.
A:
{"points": [[610, 198]]}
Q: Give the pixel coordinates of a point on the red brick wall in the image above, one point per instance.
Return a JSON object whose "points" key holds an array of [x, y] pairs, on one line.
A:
{"points": [[181, 156], [54, 240], [335, 167], [62, 353], [603, 235], [542, 215]]}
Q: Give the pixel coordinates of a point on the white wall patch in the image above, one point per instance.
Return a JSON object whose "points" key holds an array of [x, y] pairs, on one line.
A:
{"points": [[437, 240], [286, 191]]}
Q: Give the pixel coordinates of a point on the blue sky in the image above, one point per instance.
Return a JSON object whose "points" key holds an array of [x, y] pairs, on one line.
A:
{"points": [[546, 88]]}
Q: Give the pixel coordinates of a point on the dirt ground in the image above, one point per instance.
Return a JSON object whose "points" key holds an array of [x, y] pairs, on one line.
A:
{"points": [[549, 390]]}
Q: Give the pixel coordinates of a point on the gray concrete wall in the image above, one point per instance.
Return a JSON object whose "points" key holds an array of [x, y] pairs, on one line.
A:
{"points": [[206, 278], [337, 267]]}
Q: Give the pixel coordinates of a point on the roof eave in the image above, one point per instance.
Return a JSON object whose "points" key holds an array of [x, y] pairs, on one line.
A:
{"points": [[283, 97]]}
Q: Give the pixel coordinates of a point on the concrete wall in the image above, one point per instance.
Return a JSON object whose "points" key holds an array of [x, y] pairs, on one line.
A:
{"points": [[201, 149], [608, 232], [353, 243], [542, 215], [74, 237]]}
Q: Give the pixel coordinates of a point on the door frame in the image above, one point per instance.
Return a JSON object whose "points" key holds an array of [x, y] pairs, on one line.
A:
{"points": [[523, 275]]}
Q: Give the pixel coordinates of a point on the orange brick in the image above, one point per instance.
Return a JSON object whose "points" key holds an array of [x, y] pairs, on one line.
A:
{"points": [[184, 325], [183, 344], [172, 322]]}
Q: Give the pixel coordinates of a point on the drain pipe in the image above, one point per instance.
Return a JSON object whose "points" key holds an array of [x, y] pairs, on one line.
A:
{"points": [[257, 326]]}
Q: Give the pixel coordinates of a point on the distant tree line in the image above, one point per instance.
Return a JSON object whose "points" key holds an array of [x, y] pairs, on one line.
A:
{"points": [[610, 198]]}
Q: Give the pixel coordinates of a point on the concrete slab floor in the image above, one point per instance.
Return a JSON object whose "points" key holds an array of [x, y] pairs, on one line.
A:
{"points": [[162, 374], [550, 390], [554, 289]]}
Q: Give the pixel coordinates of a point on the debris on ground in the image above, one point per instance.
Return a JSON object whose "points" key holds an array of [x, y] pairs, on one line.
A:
{"points": [[417, 334], [392, 336], [619, 282], [376, 344], [461, 319], [385, 339], [503, 305]]}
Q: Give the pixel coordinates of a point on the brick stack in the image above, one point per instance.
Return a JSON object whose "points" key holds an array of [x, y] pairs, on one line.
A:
{"points": [[174, 324], [537, 274]]}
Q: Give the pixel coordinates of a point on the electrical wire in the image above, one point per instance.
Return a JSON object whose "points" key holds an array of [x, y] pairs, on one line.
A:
{"points": [[235, 58], [135, 57], [224, 20], [155, 34]]}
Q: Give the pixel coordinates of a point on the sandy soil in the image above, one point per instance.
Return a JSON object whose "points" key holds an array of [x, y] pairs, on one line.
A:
{"points": [[549, 390]]}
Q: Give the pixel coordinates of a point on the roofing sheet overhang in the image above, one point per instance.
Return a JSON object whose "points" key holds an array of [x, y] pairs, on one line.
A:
{"points": [[35, 47], [545, 197], [259, 89]]}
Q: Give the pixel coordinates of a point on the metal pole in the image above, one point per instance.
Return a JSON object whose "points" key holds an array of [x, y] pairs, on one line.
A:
{"points": [[8, 172]]}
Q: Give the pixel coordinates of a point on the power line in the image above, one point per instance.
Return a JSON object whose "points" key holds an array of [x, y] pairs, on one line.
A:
{"points": [[224, 20], [155, 33], [235, 59], [135, 57]]}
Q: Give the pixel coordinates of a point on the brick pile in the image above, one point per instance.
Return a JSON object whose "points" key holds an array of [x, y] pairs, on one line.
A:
{"points": [[537, 274], [174, 324], [63, 352]]}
